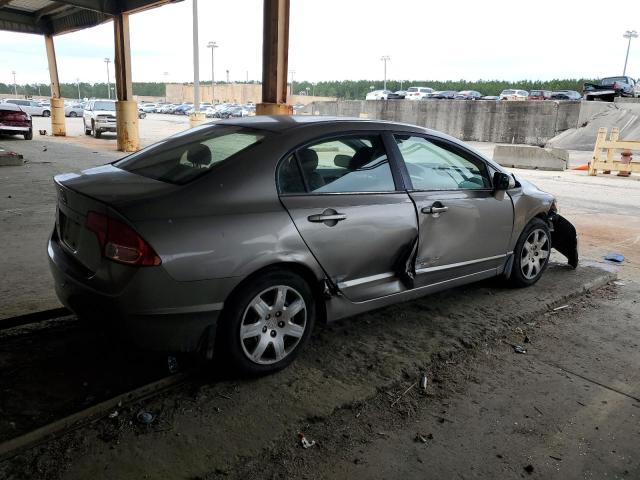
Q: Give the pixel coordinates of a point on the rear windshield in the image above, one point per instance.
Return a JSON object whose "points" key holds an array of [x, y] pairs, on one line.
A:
{"points": [[508, 92], [412, 89], [536, 93], [612, 80], [185, 157]]}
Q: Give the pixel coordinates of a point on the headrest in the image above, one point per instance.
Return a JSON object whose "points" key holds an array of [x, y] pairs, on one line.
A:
{"points": [[199, 155], [308, 159], [361, 157]]}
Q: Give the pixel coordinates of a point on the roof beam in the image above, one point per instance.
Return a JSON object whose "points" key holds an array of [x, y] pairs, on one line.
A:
{"points": [[17, 21], [109, 7], [48, 10]]}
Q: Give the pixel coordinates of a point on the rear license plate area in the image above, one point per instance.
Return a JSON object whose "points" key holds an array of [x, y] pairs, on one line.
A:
{"points": [[70, 232]]}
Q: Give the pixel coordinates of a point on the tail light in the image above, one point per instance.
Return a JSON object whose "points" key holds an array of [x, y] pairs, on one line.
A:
{"points": [[121, 243]]}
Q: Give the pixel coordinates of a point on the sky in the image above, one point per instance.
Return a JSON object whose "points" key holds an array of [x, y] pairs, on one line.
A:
{"points": [[345, 39]]}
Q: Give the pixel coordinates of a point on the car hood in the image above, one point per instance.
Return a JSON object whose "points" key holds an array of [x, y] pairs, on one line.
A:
{"points": [[114, 186]]}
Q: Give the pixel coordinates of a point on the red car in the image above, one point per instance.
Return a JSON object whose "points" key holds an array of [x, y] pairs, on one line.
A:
{"points": [[14, 121], [540, 95]]}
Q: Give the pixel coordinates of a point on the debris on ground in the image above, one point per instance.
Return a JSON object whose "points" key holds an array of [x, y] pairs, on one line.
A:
{"points": [[555, 458], [114, 414], [615, 257], [424, 381], [529, 469], [527, 339], [519, 349], [421, 438], [404, 393], [304, 442], [561, 307], [618, 283], [172, 364], [145, 418]]}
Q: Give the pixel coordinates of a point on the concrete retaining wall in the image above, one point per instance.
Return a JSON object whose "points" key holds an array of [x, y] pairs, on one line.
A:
{"points": [[531, 123]]}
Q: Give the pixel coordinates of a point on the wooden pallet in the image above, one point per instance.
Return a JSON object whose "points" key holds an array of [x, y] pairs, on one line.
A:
{"points": [[608, 163]]}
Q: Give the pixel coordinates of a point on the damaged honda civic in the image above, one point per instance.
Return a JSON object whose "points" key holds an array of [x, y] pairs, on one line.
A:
{"points": [[233, 238]]}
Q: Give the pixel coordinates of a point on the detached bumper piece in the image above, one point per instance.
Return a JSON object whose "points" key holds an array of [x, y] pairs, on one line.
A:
{"points": [[564, 238]]}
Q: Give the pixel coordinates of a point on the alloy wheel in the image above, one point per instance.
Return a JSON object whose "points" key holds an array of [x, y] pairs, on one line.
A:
{"points": [[273, 324], [535, 253]]}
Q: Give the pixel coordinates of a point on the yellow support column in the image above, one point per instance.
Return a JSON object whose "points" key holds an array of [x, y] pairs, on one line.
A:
{"points": [[126, 106], [127, 125], [58, 127]]}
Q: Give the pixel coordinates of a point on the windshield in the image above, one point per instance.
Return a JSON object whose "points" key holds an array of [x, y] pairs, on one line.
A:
{"points": [[183, 161], [508, 92], [108, 106]]}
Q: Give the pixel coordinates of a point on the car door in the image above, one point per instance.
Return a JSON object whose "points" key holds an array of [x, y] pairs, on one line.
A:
{"points": [[350, 207], [465, 225], [86, 114]]}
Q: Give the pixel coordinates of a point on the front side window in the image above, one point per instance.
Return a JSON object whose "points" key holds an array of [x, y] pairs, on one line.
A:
{"points": [[184, 161], [434, 167], [343, 165]]}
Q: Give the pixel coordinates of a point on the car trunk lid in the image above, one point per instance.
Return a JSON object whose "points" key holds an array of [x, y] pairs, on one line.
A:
{"points": [[104, 190]]}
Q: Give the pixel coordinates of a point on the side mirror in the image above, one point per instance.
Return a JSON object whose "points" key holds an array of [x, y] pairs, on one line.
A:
{"points": [[503, 181]]}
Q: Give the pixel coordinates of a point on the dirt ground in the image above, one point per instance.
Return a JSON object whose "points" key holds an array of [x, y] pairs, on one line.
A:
{"points": [[568, 408]]}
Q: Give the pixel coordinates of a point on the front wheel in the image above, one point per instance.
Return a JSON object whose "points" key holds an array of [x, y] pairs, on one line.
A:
{"points": [[531, 254], [267, 323], [73, 114]]}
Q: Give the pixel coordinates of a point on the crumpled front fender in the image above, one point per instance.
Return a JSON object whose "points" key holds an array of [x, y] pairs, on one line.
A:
{"points": [[564, 238]]}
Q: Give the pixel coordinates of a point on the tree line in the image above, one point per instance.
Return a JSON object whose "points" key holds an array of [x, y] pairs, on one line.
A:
{"points": [[345, 89]]}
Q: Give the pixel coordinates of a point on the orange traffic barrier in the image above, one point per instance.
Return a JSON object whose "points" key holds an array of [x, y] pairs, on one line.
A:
{"points": [[581, 167]]}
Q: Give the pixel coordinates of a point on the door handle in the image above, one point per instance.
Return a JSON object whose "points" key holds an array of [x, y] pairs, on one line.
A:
{"points": [[321, 217], [435, 208]]}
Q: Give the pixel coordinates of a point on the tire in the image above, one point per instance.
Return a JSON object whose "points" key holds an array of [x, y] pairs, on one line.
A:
{"points": [[531, 255], [87, 131], [94, 131], [29, 135], [46, 113], [257, 353], [73, 114]]}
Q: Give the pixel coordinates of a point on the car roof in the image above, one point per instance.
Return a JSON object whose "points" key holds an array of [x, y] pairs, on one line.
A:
{"points": [[10, 106], [281, 123]]}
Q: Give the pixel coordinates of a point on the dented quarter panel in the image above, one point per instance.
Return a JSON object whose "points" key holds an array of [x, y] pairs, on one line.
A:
{"points": [[528, 202]]}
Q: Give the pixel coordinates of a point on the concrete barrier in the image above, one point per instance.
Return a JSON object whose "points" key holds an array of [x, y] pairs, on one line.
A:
{"points": [[531, 157], [531, 123]]}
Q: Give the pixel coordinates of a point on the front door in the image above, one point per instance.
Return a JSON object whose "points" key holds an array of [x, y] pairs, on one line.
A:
{"points": [[465, 225], [349, 209]]}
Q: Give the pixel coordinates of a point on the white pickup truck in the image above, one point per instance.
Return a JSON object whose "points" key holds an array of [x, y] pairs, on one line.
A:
{"points": [[99, 116]]}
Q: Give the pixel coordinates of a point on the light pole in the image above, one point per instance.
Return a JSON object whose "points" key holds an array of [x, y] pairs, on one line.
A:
{"points": [[212, 46], [292, 72], [78, 83], [628, 34], [313, 90], [196, 60], [108, 61], [166, 74], [227, 75], [307, 90], [15, 88], [385, 59]]}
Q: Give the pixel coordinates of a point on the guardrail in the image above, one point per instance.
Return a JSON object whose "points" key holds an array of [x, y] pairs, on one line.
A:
{"points": [[607, 164]]}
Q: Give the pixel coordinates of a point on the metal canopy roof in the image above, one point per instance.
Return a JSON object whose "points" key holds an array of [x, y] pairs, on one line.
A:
{"points": [[61, 16]]}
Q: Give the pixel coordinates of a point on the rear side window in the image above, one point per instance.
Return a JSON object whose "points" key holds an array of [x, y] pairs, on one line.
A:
{"points": [[349, 164], [184, 161]]}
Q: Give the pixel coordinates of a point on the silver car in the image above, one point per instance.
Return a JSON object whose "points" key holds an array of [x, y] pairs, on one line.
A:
{"points": [[234, 238]]}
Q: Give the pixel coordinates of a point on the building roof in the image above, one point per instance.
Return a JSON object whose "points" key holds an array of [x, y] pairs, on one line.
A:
{"points": [[61, 16]]}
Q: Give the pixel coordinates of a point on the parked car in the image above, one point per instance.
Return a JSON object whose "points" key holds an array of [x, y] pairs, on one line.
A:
{"points": [[399, 95], [167, 108], [609, 88], [73, 110], [31, 107], [540, 95], [378, 95], [511, 94], [159, 107], [468, 95], [15, 121], [236, 237], [99, 116], [183, 109], [141, 113], [418, 93], [148, 107], [490, 97], [566, 95], [441, 94]]}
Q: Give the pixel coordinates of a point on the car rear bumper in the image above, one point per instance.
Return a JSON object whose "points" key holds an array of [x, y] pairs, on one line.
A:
{"points": [[11, 128], [152, 310]]}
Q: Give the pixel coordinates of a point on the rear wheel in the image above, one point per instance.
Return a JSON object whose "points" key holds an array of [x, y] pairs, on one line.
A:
{"points": [[46, 113], [267, 323], [531, 254], [87, 131], [73, 114], [29, 135]]}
